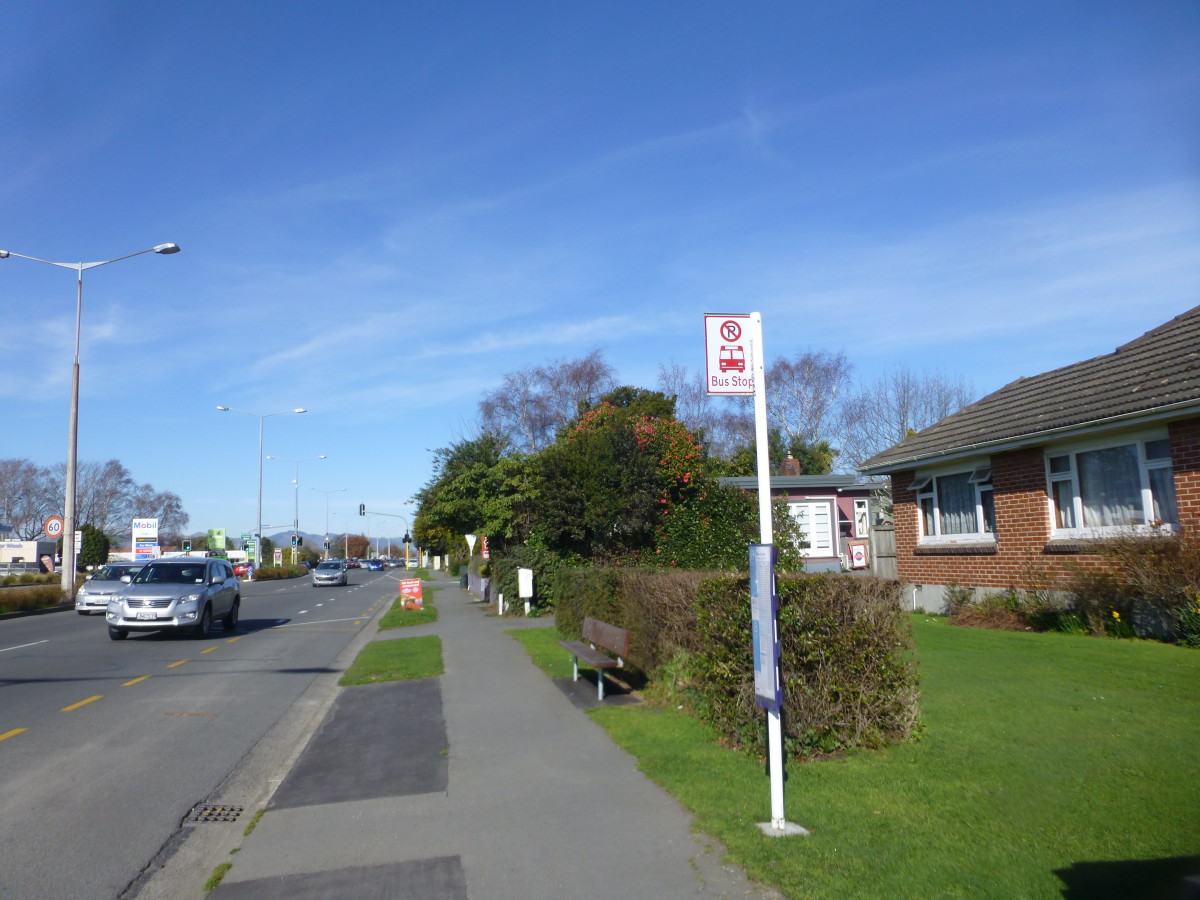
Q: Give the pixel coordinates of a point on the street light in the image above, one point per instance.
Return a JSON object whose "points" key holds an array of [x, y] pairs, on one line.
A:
{"points": [[68, 555], [258, 537], [296, 487], [326, 493]]}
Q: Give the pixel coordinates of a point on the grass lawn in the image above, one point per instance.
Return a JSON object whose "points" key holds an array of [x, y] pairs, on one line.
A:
{"points": [[1048, 766], [396, 660]]}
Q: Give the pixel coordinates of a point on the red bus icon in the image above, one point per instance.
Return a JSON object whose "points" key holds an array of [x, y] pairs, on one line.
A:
{"points": [[732, 359]]}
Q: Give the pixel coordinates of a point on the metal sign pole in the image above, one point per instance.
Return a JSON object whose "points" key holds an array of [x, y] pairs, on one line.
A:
{"points": [[778, 826]]}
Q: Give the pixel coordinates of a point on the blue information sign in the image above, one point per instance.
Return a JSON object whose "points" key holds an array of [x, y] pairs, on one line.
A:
{"points": [[764, 629]]}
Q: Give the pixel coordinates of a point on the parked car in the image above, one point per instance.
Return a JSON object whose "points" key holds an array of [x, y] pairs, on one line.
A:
{"points": [[375, 565], [353, 564], [102, 584], [413, 563], [242, 568], [329, 571], [182, 594]]}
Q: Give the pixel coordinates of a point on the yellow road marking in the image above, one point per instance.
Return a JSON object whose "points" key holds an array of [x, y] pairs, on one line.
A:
{"points": [[231, 640], [209, 650], [174, 664], [135, 681], [75, 706], [13, 733]]}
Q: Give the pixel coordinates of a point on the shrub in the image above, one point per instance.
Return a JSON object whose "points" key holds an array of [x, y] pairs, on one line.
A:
{"points": [[546, 564], [848, 676], [1147, 587], [17, 599], [273, 573]]}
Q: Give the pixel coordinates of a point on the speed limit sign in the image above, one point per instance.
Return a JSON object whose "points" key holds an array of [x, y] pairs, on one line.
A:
{"points": [[53, 527]]}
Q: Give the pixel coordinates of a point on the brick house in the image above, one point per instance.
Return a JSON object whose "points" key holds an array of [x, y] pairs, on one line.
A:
{"points": [[1010, 488]]}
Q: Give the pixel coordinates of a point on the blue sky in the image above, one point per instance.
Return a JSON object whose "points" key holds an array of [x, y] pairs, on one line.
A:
{"points": [[385, 207]]}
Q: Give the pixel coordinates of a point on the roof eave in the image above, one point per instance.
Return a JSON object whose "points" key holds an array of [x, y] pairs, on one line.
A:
{"points": [[1016, 442]]}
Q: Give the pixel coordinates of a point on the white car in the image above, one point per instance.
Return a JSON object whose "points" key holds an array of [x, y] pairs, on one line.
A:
{"points": [[329, 571]]}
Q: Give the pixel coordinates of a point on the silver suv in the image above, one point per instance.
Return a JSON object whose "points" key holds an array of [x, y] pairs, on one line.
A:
{"points": [[329, 571], [182, 593]]}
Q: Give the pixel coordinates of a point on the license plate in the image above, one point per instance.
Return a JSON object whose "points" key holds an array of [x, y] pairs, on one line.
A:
{"points": [[147, 615]]}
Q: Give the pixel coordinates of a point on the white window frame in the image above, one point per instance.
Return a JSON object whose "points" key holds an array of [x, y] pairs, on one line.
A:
{"points": [[1062, 477], [925, 485], [805, 521]]}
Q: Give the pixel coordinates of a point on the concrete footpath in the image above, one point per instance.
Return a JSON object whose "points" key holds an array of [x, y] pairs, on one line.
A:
{"points": [[488, 783]]}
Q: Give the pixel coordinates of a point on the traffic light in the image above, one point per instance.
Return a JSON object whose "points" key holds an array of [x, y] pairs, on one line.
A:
{"points": [[362, 509], [325, 546], [187, 546], [294, 540], [299, 541]]}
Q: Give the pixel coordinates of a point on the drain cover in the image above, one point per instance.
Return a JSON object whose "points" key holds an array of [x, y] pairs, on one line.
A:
{"points": [[214, 814]]}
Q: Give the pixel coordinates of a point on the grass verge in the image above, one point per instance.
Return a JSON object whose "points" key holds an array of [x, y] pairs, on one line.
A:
{"points": [[399, 617], [1049, 766], [542, 646], [398, 659]]}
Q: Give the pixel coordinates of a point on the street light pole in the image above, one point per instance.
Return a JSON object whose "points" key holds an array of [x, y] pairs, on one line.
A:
{"points": [[68, 555], [296, 489], [258, 537], [326, 493]]}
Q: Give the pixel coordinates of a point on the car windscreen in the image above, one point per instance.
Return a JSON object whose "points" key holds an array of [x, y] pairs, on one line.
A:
{"points": [[329, 565], [170, 574], [114, 573]]}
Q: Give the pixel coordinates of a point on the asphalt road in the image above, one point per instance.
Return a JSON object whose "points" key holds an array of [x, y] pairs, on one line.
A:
{"points": [[107, 746]]}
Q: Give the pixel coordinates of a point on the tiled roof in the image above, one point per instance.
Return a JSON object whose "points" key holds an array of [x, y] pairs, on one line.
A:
{"points": [[1160, 369]]}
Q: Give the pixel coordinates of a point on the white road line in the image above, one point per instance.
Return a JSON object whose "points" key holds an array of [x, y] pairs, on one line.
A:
{"points": [[319, 622], [19, 646]]}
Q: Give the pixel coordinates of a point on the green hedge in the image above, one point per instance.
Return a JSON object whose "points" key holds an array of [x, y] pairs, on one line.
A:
{"points": [[849, 679], [546, 564], [272, 573]]}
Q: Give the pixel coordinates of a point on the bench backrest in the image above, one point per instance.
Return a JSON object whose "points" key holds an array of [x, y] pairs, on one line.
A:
{"points": [[610, 637]]}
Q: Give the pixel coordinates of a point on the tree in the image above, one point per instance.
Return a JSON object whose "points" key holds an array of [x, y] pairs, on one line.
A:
{"points": [[29, 496], [897, 404], [605, 485], [357, 546], [94, 547], [814, 459], [805, 395], [478, 487], [531, 404], [722, 423]]}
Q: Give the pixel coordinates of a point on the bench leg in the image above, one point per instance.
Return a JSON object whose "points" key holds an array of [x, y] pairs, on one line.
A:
{"points": [[600, 684], [574, 668]]}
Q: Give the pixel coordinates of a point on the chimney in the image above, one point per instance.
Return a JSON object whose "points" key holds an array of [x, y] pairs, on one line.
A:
{"points": [[789, 466]]}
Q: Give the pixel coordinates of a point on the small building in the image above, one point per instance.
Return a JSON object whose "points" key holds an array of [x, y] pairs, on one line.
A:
{"points": [[1013, 487], [833, 511]]}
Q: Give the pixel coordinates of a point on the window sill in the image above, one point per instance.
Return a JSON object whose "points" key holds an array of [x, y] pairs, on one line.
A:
{"points": [[965, 548]]}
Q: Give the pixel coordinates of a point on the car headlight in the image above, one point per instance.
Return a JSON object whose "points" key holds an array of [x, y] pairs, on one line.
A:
{"points": [[189, 601], [118, 599]]}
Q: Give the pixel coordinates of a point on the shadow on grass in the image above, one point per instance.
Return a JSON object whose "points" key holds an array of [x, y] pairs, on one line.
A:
{"points": [[1130, 879]]}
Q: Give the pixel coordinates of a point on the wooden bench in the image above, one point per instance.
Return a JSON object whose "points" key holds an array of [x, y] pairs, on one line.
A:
{"points": [[597, 634]]}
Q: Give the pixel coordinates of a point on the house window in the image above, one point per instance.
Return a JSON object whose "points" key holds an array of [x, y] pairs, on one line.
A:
{"points": [[1122, 487], [957, 505]]}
